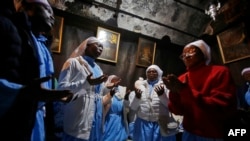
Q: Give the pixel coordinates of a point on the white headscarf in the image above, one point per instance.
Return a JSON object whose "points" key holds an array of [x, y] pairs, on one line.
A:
{"points": [[159, 71], [44, 2], [245, 70], [80, 50], [203, 47]]}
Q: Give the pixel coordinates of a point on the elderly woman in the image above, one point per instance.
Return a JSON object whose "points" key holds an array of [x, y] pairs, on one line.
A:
{"points": [[149, 101], [205, 95], [80, 74]]}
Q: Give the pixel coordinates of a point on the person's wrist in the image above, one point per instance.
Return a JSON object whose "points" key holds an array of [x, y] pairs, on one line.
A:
{"points": [[112, 92]]}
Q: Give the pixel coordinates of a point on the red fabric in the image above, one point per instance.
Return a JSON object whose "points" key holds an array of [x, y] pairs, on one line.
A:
{"points": [[207, 101]]}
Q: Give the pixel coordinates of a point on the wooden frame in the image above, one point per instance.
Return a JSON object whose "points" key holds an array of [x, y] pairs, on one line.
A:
{"points": [[145, 53], [110, 41], [57, 34], [233, 44]]}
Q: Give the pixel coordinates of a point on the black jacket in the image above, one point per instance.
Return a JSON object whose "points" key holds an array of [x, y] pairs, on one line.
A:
{"points": [[19, 64]]}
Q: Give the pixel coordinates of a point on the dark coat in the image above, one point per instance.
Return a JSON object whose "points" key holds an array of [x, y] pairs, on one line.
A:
{"points": [[18, 64]]}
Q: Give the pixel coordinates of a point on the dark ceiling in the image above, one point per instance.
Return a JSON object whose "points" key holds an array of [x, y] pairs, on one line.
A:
{"points": [[182, 20]]}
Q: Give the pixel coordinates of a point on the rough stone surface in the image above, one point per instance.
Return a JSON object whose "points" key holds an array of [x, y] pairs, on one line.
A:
{"points": [[182, 20]]}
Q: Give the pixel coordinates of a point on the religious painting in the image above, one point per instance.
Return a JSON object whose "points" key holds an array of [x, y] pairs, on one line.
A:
{"points": [[234, 44], [145, 53], [110, 41], [57, 34]]}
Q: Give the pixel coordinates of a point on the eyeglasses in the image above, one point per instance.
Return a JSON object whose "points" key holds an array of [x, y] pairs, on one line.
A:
{"points": [[186, 55]]}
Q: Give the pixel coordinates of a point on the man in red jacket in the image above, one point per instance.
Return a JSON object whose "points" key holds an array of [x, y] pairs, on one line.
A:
{"points": [[205, 95]]}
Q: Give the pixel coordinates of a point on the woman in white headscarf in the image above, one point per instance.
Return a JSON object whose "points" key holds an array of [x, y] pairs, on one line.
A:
{"points": [[84, 77], [149, 101], [115, 123]]}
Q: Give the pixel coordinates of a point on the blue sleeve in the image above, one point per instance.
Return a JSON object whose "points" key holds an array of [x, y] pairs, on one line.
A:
{"points": [[8, 93]]}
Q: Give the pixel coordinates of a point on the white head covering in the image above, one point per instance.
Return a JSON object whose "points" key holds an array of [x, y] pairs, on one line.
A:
{"points": [[203, 47], [159, 71], [44, 2], [82, 47], [245, 70]]}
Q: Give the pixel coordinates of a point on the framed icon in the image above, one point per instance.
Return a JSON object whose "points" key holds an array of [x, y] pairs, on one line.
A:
{"points": [[234, 44], [110, 41], [57, 32], [145, 53]]}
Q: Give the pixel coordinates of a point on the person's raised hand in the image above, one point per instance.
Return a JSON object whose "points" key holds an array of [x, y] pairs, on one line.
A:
{"points": [[98, 80], [159, 89], [173, 83], [138, 93], [114, 83]]}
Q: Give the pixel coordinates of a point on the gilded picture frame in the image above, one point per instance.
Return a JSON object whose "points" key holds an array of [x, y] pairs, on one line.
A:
{"points": [[233, 44], [110, 40], [57, 32], [145, 52]]}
